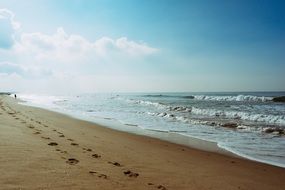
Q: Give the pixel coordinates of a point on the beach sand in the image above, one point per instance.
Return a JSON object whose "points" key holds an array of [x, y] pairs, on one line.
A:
{"points": [[40, 149]]}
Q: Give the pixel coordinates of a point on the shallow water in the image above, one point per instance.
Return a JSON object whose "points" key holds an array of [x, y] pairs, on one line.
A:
{"points": [[200, 115]]}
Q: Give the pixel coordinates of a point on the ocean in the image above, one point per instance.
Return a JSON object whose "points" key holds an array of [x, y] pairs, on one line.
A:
{"points": [[248, 124]]}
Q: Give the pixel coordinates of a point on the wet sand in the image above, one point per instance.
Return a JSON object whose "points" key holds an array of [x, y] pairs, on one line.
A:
{"points": [[40, 149]]}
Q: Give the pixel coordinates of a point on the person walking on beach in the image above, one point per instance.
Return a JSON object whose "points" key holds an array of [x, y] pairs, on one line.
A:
{"points": [[15, 96]]}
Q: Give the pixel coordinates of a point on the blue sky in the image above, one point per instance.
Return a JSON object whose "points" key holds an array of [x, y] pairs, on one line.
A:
{"points": [[130, 45]]}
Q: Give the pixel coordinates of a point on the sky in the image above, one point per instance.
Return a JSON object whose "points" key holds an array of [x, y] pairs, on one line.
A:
{"points": [[85, 46]]}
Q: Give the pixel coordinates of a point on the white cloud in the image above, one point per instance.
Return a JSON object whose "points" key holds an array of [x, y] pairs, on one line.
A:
{"points": [[63, 47], [7, 14], [31, 72], [134, 48], [51, 58], [105, 45], [10, 82], [8, 27], [10, 68]]}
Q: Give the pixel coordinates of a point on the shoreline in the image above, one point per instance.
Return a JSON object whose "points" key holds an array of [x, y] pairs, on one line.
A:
{"points": [[176, 138], [67, 153], [183, 140]]}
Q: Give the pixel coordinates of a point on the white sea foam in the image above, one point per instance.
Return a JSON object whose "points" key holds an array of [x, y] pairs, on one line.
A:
{"points": [[182, 119], [180, 109], [239, 153], [240, 115], [244, 127], [40, 100], [270, 119], [147, 103], [234, 98]]}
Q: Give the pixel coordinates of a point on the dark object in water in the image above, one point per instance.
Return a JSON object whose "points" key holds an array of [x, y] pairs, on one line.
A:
{"points": [[279, 99], [278, 130], [189, 97], [230, 125]]}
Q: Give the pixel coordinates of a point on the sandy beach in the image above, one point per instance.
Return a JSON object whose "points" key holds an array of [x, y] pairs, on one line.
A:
{"points": [[40, 149]]}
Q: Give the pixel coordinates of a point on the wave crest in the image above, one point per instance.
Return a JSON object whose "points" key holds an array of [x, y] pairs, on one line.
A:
{"points": [[238, 98], [270, 119]]}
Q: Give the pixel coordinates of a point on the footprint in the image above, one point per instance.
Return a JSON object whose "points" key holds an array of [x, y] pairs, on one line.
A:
{"points": [[99, 175], [52, 144], [92, 172], [102, 176], [30, 126], [36, 133], [61, 136], [97, 156], [131, 174], [158, 187], [74, 144], [72, 161], [46, 138], [115, 164], [70, 139], [87, 149], [161, 187], [61, 151]]}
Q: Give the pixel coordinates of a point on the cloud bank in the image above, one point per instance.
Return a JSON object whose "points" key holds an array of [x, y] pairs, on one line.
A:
{"points": [[63, 47], [26, 57], [8, 26]]}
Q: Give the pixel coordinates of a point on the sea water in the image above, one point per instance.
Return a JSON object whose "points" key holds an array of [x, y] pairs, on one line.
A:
{"points": [[248, 124]]}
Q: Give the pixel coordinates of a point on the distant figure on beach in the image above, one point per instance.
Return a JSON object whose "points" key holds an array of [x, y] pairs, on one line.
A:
{"points": [[15, 96]]}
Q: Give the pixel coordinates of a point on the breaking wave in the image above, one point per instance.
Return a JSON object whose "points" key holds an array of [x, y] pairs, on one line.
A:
{"points": [[269, 119], [148, 103], [238, 98], [237, 115]]}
